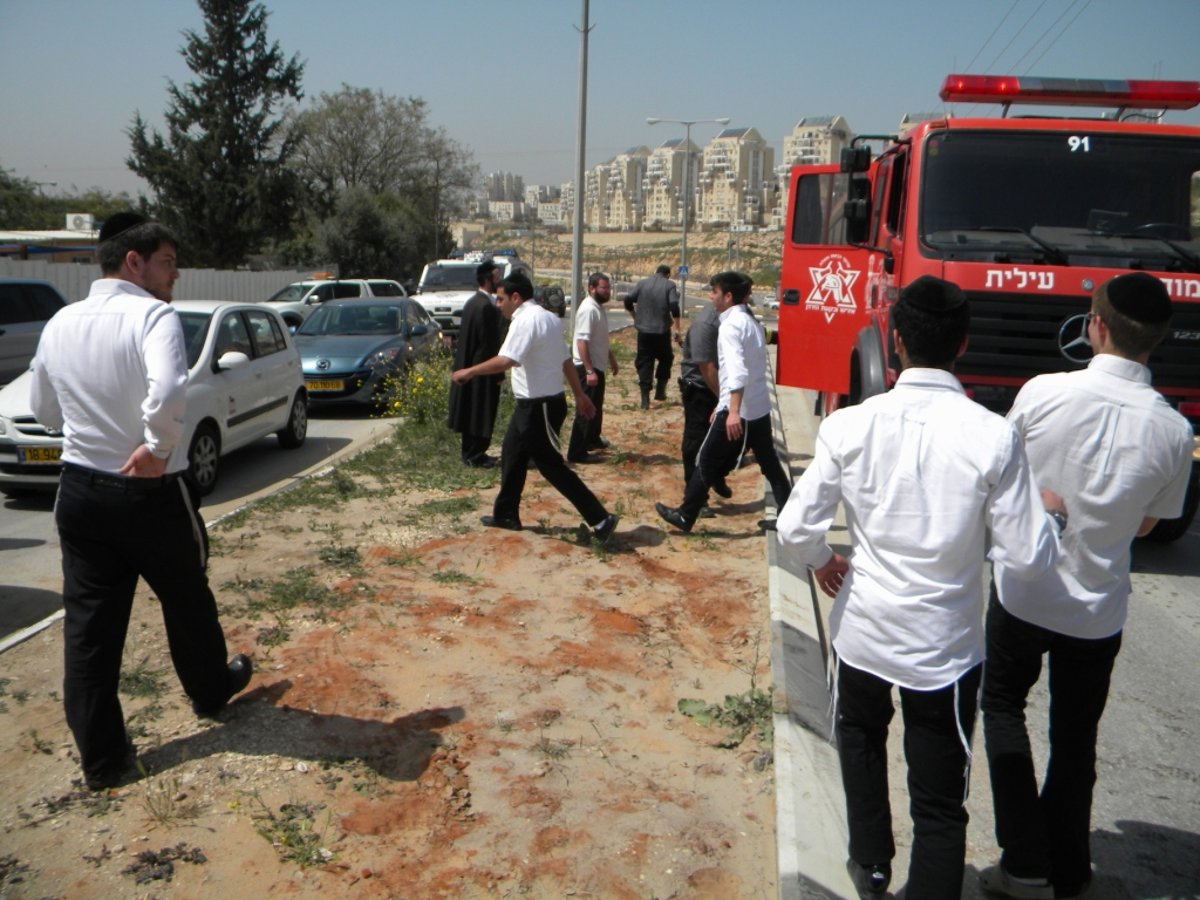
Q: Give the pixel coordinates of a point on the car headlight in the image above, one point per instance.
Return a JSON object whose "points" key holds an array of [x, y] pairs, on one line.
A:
{"points": [[387, 357]]}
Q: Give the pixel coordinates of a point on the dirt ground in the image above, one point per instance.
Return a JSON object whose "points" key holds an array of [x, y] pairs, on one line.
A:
{"points": [[450, 711]]}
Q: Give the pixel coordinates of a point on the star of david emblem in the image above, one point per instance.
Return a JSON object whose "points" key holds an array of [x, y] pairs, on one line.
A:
{"points": [[831, 288]]}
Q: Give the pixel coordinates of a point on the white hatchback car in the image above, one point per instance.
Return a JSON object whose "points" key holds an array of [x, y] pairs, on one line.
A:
{"points": [[244, 382]]}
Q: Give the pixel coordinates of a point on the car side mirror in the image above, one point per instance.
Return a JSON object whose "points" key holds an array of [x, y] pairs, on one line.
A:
{"points": [[418, 330], [232, 359]]}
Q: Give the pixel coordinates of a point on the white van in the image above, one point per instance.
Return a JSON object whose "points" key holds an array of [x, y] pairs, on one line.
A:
{"points": [[447, 284]]}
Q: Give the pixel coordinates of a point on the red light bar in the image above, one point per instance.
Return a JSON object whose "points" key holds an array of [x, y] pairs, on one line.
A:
{"points": [[1071, 91]]}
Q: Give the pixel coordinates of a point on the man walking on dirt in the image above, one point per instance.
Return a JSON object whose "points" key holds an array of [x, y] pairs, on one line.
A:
{"points": [[111, 374], [593, 359], [537, 354], [654, 305], [473, 405]]}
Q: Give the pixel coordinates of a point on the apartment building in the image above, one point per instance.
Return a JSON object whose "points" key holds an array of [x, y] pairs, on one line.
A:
{"points": [[736, 182], [505, 186], [662, 185], [816, 140]]}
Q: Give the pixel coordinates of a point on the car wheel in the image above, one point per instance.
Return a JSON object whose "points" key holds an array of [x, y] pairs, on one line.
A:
{"points": [[204, 458], [292, 434]]}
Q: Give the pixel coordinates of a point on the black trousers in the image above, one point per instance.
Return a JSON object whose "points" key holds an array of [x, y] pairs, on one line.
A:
{"points": [[532, 436], [1046, 835], [474, 446], [698, 405], [652, 348], [937, 735], [585, 434], [719, 456], [113, 530]]}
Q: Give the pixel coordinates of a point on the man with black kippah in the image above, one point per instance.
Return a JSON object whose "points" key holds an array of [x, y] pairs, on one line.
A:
{"points": [[931, 482], [1120, 456], [111, 374]]}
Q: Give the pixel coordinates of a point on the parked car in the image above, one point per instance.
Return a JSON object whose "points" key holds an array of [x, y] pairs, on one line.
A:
{"points": [[297, 301], [25, 307], [244, 382], [348, 348]]}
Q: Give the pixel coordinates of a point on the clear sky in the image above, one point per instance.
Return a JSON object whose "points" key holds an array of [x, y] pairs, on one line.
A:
{"points": [[502, 77]]}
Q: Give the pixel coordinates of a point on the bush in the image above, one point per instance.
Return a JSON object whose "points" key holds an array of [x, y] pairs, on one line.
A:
{"points": [[421, 393]]}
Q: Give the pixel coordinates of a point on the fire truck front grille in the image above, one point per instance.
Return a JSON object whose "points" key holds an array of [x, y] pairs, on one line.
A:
{"points": [[1015, 336]]}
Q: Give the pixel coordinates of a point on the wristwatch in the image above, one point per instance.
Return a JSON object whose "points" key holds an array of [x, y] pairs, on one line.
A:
{"points": [[1060, 519]]}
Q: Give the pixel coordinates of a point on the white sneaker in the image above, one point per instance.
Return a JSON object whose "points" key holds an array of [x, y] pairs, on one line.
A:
{"points": [[995, 880]]}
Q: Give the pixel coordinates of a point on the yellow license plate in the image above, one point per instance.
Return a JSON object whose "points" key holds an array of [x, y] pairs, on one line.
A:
{"points": [[333, 385], [39, 456]]}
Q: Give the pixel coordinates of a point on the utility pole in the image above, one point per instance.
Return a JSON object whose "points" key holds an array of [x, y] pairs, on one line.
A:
{"points": [[580, 143]]}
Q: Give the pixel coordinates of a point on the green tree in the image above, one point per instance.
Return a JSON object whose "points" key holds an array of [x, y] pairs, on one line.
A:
{"points": [[364, 238], [18, 202], [220, 176], [362, 139]]}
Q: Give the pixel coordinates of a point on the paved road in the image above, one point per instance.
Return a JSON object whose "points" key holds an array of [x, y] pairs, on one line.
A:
{"points": [[30, 569], [1146, 815]]}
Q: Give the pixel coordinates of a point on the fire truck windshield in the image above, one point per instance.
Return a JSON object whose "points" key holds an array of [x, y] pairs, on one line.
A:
{"points": [[1081, 198]]}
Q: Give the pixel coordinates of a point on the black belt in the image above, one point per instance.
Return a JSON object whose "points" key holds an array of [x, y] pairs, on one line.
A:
{"points": [[536, 401], [118, 482]]}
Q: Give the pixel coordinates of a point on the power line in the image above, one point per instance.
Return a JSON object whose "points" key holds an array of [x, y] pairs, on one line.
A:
{"points": [[992, 35], [1043, 36], [1015, 36], [1060, 34]]}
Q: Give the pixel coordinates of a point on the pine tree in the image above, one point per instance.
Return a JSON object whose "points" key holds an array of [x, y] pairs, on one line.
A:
{"points": [[220, 177]]}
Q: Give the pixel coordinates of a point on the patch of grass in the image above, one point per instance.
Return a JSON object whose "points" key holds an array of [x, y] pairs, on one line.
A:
{"points": [[742, 714], [39, 743], [293, 831], [452, 576], [142, 681], [137, 722], [403, 559], [167, 803], [340, 557], [451, 507]]}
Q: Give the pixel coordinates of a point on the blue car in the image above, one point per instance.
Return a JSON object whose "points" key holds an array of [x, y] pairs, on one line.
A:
{"points": [[348, 348]]}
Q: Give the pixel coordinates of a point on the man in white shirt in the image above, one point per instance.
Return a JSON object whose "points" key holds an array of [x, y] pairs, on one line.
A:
{"points": [[743, 414], [110, 374], [1121, 458], [925, 474], [592, 358], [536, 352]]}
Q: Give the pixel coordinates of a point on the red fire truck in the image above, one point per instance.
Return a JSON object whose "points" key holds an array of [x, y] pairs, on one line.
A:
{"points": [[1026, 214]]}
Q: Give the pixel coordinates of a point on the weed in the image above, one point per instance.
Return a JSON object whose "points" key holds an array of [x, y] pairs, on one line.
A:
{"points": [[272, 636], [403, 559], [451, 576], [741, 714], [39, 743], [292, 831], [451, 506], [159, 865], [340, 557], [167, 804], [137, 722], [552, 749], [142, 681]]}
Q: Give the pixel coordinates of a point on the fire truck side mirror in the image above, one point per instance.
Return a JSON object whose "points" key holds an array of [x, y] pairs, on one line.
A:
{"points": [[856, 159], [858, 209]]}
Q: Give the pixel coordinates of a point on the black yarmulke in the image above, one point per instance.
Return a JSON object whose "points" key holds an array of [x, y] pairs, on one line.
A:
{"points": [[119, 223], [933, 295], [1141, 297]]}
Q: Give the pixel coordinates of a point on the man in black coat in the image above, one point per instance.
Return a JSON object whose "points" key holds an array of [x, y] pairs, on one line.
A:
{"points": [[473, 404]]}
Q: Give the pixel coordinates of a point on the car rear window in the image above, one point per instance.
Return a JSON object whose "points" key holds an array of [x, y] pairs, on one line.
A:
{"points": [[28, 303]]}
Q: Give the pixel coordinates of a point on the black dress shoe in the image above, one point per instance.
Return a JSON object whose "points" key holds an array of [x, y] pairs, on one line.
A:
{"points": [[722, 489], [870, 880], [583, 459], [660, 393], [481, 462], [673, 516], [599, 444], [706, 512], [115, 775], [605, 529], [766, 524], [502, 522], [240, 669]]}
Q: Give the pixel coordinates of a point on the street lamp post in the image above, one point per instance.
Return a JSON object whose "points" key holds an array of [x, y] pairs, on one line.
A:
{"points": [[687, 193]]}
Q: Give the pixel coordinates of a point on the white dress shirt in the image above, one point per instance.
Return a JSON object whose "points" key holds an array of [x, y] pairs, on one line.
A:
{"points": [[925, 473], [742, 362], [535, 343], [111, 374], [1110, 444], [591, 325]]}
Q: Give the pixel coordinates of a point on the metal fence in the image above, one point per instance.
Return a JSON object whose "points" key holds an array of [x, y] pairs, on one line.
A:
{"points": [[74, 280]]}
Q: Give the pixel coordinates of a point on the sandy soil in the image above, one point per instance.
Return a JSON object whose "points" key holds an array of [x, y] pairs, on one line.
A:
{"points": [[452, 712]]}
